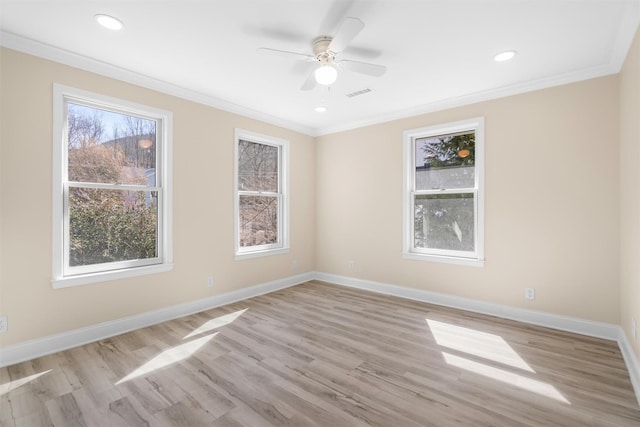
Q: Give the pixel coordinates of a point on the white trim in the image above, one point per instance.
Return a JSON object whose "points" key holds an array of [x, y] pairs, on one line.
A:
{"points": [[261, 253], [474, 98], [52, 53], [576, 325], [630, 359], [54, 343], [549, 320], [621, 46], [624, 38], [444, 259], [104, 276], [59, 342]]}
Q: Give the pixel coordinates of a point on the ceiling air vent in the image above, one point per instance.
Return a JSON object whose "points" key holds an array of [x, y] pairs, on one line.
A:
{"points": [[359, 92]]}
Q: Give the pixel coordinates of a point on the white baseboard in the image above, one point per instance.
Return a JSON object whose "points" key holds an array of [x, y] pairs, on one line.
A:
{"points": [[51, 344], [564, 323], [59, 342], [631, 361], [570, 324]]}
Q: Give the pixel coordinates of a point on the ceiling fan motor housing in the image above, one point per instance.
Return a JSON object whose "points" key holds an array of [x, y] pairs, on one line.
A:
{"points": [[321, 50]]}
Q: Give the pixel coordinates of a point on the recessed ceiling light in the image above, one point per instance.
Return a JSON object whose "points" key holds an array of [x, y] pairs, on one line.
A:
{"points": [[320, 109], [109, 22], [505, 56]]}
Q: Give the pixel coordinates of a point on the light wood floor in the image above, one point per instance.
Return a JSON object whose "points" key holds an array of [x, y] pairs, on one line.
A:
{"points": [[323, 355]]}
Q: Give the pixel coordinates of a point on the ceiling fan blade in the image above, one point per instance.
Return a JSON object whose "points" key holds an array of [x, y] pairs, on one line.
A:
{"points": [[348, 30], [286, 53], [310, 83], [363, 67]]}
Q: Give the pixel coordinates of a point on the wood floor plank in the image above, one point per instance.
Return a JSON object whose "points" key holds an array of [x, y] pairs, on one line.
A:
{"points": [[64, 411], [318, 354]]}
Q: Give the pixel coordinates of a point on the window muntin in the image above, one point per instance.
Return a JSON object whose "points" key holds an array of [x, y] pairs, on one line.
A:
{"points": [[261, 195], [443, 192], [111, 188]]}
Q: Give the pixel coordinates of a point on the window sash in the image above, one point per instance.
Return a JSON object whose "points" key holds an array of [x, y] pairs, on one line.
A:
{"points": [[269, 246], [70, 270], [438, 251]]}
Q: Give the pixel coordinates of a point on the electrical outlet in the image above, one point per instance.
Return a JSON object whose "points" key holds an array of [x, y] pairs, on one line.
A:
{"points": [[530, 293], [294, 264], [351, 265], [634, 331], [209, 282], [4, 324]]}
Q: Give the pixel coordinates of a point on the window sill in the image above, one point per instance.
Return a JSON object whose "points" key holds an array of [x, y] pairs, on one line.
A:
{"points": [[444, 259], [104, 276], [257, 254]]}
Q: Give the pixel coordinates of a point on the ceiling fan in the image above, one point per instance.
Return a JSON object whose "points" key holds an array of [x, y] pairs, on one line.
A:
{"points": [[325, 52]]}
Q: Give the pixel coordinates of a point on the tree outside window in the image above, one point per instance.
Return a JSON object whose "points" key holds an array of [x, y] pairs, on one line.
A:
{"points": [[261, 214]]}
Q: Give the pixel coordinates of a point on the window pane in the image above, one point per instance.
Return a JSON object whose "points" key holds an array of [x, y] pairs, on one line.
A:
{"points": [[258, 220], [445, 162], [257, 167], [444, 221], [110, 148], [111, 225]]}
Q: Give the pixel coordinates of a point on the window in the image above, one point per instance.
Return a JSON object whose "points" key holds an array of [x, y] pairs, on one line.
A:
{"points": [[261, 186], [443, 193], [111, 188]]}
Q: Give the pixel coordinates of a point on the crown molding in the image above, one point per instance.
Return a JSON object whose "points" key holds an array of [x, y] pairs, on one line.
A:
{"points": [[65, 57], [502, 92], [627, 29], [622, 42]]}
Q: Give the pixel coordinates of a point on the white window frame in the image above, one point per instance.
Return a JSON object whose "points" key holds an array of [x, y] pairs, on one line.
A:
{"points": [[282, 245], [65, 275], [409, 251]]}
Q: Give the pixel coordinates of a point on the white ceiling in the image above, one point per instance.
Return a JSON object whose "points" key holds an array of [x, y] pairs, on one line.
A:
{"points": [[439, 53]]}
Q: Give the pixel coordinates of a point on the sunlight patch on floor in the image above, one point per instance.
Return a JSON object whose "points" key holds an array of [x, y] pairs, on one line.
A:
{"points": [[169, 357], [481, 344], [493, 348], [520, 381], [216, 323], [12, 385]]}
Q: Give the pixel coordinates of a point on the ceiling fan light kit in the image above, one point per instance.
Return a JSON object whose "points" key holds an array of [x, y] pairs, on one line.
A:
{"points": [[326, 74]]}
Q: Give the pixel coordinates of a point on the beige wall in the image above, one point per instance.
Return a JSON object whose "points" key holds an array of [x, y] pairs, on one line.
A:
{"points": [[552, 203], [202, 209], [629, 193]]}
